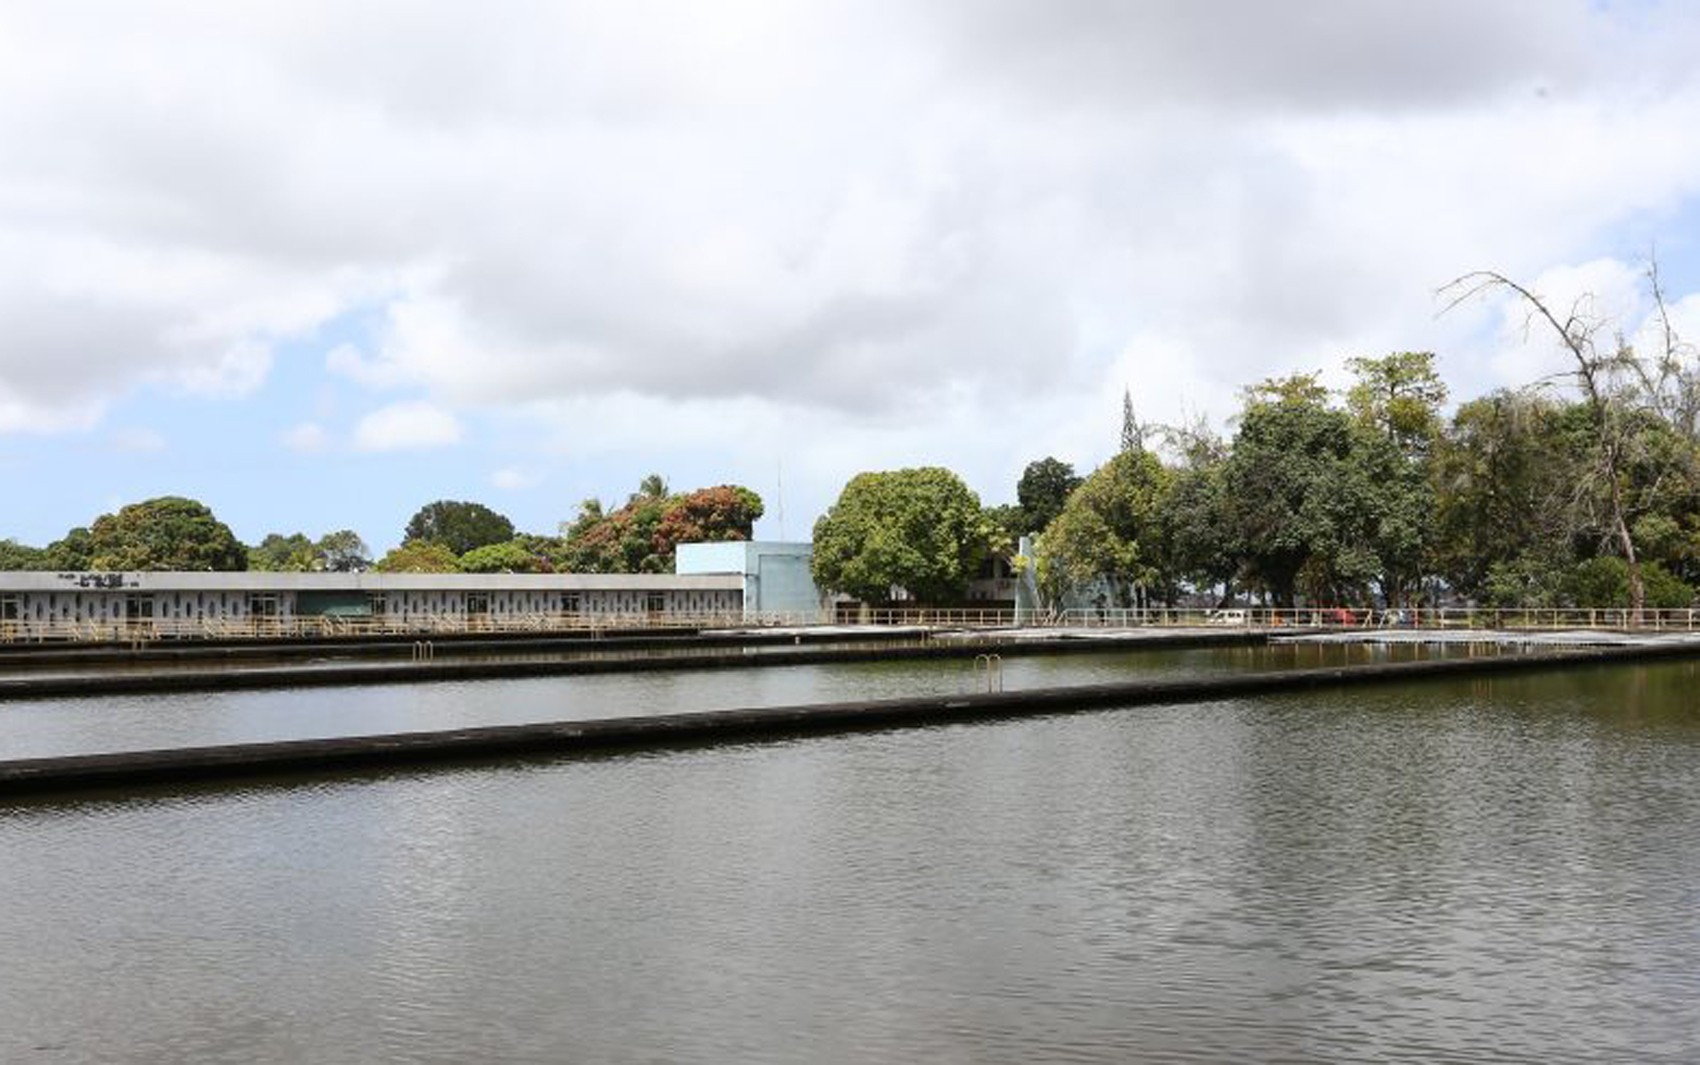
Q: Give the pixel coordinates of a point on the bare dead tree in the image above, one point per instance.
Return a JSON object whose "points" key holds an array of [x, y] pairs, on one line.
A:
{"points": [[1672, 381], [1598, 371]]}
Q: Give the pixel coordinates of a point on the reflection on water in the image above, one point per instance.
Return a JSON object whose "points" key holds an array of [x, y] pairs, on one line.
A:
{"points": [[133, 722], [1495, 869]]}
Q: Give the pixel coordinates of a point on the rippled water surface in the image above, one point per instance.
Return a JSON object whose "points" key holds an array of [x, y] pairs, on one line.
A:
{"points": [[1496, 869], [31, 729]]}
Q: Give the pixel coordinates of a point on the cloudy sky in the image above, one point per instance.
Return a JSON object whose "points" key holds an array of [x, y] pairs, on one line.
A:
{"points": [[317, 264]]}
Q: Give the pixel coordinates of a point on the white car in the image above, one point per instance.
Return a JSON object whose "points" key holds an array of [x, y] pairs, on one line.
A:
{"points": [[1226, 617]]}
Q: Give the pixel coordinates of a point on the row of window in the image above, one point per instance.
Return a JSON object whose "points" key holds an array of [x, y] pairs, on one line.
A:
{"points": [[143, 607]]}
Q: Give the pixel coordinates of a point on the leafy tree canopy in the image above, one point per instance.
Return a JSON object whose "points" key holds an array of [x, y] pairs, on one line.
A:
{"points": [[1111, 528], [917, 529], [643, 535], [458, 526], [343, 551], [1283, 458], [1044, 487], [519, 555], [16, 556], [419, 556], [169, 533], [72, 552], [1399, 395], [338, 552], [283, 554], [1604, 582]]}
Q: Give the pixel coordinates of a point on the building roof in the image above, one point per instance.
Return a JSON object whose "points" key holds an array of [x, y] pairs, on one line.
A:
{"points": [[259, 581]]}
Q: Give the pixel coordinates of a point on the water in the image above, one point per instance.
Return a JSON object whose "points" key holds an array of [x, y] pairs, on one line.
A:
{"points": [[1495, 868], [39, 728]]}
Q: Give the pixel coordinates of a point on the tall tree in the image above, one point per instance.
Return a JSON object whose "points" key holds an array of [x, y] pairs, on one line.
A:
{"points": [[1399, 395], [278, 553], [419, 556], [1044, 487], [1283, 460], [168, 533], [1199, 525], [458, 526], [518, 555], [1606, 376], [343, 551], [1111, 531], [1396, 402], [653, 487], [917, 529]]}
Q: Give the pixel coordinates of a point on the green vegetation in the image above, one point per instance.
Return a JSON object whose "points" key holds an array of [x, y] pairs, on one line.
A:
{"points": [[921, 530], [419, 556], [460, 527], [169, 533], [642, 535], [342, 551], [1110, 530], [1586, 495]]}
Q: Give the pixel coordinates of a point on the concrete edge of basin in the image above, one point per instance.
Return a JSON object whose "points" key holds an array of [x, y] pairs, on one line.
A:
{"points": [[128, 769]]}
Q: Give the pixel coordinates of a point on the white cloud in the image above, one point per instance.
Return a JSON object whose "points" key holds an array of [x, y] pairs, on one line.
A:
{"points": [[137, 440], [306, 437], [715, 220], [510, 480], [405, 426]]}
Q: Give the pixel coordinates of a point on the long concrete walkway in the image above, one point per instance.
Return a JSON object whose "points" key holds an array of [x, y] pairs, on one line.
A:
{"points": [[232, 762], [50, 675]]}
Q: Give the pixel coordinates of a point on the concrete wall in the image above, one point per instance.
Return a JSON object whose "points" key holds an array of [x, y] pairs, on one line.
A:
{"points": [[775, 574]]}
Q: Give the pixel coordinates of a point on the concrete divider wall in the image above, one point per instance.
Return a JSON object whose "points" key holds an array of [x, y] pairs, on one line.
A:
{"points": [[137, 768]]}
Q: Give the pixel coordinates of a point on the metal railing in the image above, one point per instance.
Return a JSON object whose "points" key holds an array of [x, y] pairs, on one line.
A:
{"points": [[597, 625]]}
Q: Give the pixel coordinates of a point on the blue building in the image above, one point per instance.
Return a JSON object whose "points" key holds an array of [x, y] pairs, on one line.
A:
{"points": [[776, 574]]}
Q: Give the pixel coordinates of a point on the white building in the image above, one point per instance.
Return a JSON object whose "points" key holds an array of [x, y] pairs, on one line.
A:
{"points": [[47, 604]]}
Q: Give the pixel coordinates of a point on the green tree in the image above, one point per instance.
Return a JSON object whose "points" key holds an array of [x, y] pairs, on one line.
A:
{"points": [[1111, 530], [343, 551], [516, 556], [458, 526], [1399, 395], [1620, 390], [1285, 457], [917, 529], [72, 552], [1603, 582], [283, 554], [1006, 524], [16, 556], [1504, 481], [626, 540], [419, 556], [652, 487], [1044, 487], [1199, 522], [168, 533]]}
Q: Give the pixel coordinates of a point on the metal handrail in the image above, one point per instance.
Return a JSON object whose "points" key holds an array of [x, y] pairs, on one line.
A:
{"points": [[59, 630]]}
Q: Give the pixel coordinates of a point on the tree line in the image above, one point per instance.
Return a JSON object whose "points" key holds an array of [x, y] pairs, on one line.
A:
{"points": [[1581, 490], [446, 536]]}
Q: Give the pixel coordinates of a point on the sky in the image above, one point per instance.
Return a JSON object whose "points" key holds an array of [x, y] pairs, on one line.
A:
{"points": [[317, 264]]}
